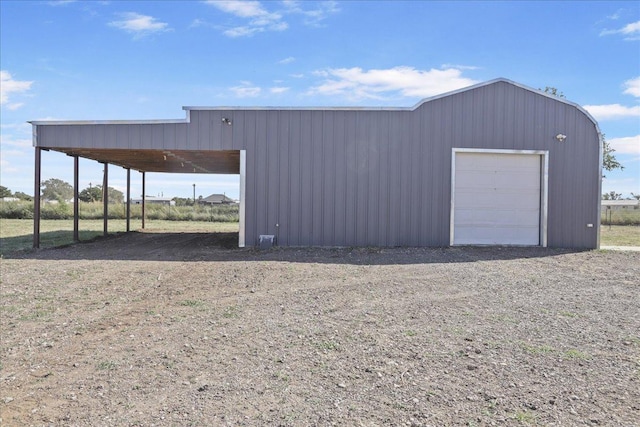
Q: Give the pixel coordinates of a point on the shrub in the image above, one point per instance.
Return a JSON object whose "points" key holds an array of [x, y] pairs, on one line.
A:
{"points": [[621, 217], [94, 210], [60, 210], [16, 210]]}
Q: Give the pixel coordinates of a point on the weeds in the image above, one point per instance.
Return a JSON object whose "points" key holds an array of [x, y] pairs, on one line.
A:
{"points": [[230, 312], [576, 354], [537, 349], [106, 365], [328, 346], [191, 303], [61, 210], [524, 417], [568, 314]]}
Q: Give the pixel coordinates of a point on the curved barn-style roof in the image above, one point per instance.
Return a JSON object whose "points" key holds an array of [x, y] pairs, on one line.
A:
{"points": [[164, 145]]}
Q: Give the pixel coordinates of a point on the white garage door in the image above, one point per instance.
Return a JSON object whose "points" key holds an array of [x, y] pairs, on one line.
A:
{"points": [[496, 199]]}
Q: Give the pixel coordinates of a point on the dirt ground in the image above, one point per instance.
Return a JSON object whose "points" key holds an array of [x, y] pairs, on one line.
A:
{"points": [[181, 329]]}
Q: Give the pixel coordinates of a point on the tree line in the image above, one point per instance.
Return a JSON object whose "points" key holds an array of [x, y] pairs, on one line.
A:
{"points": [[62, 191]]}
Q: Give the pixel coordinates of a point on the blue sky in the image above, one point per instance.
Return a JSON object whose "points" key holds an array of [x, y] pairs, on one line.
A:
{"points": [[77, 60]]}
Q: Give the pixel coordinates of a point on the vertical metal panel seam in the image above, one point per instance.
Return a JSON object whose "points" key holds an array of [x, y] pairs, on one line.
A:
{"points": [[387, 179], [300, 157], [545, 199], [289, 183], [421, 183], [322, 174], [278, 183]]}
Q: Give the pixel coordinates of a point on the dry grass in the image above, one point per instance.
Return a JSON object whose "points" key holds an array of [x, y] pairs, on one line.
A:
{"points": [[620, 235], [17, 234]]}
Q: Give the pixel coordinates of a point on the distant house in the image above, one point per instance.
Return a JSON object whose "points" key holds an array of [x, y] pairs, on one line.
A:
{"points": [[619, 205], [155, 200], [216, 199]]}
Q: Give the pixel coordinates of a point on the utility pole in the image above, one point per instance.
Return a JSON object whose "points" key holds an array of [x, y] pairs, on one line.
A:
{"points": [[194, 194]]}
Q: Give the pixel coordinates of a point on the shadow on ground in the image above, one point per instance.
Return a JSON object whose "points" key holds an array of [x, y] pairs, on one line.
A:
{"points": [[194, 247]]}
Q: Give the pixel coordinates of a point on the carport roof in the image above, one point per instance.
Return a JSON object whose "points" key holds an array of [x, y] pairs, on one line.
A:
{"points": [[171, 161]]}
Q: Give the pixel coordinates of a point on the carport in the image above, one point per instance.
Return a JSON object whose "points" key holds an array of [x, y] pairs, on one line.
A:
{"points": [[137, 159]]}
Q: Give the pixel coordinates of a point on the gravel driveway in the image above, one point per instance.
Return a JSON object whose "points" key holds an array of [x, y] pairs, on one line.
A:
{"points": [[180, 329]]}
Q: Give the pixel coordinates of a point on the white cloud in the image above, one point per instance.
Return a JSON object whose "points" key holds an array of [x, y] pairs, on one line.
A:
{"points": [[259, 19], [139, 25], [12, 150], [246, 90], [616, 15], [612, 111], [630, 31], [197, 23], [626, 145], [312, 17], [288, 60], [356, 83], [7, 167], [460, 67], [23, 128], [60, 2], [632, 87], [15, 106], [297, 76], [9, 86], [278, 89], [9, 141], [242, 31], [243, 9]]}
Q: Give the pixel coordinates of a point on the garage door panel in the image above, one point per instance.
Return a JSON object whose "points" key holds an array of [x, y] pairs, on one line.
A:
{"points": [[477, 179], [507, 162], [497, 198], [489, 217], [490, 200], [502, 179], [498, 236]]}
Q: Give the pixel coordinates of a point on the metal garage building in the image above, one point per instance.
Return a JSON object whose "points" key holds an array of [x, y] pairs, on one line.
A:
{"points": [[495, 163]]}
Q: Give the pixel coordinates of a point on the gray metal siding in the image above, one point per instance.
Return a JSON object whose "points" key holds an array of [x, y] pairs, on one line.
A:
{"points": [[377, 177]]}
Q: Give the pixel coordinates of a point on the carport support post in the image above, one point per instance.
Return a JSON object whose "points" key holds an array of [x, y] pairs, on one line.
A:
{"points": [[76, 206], [105, 198], [128, 198], [144, 196], [36, 199]]}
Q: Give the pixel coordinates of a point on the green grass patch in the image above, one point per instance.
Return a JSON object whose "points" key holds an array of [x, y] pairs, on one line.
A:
{"points": [[620, 217], [231, 312], [576, 354], [537, 349], [192, 303], [620, 235], [568, 314], [328, 345], [524, 417], [17, 234], [106, 365]]}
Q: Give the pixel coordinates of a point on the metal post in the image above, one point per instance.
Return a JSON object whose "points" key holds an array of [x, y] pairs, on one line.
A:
{"points": [[194, 194], [144, 196], [36, 199], [76, 206], [128, 198], [105, 199]]}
